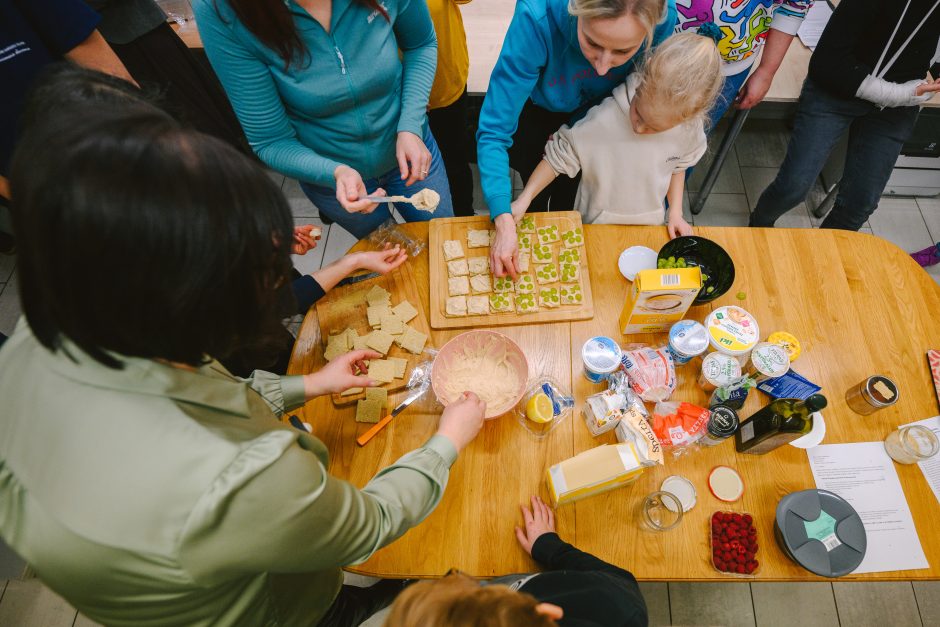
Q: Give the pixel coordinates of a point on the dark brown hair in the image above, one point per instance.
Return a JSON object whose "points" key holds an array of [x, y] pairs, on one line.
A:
{"points": [[459, 601], [271, 22]]}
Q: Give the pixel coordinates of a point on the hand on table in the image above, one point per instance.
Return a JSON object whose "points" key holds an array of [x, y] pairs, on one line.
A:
{"points": [[305, 239], [462, 420], [381, 261], [538, 521], [350, 188], [504, 255], [344, 372], [754, 90], [414, 158], [677, 226]]}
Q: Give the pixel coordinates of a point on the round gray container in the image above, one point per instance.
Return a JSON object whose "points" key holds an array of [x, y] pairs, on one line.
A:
{"points": [[821, 532]]}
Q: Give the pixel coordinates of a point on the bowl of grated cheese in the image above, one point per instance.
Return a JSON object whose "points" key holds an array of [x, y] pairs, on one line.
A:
{"points": [[487, 363]]}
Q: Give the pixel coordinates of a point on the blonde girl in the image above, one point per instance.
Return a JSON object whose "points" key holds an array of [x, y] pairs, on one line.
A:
{"points": [[633, 148]]}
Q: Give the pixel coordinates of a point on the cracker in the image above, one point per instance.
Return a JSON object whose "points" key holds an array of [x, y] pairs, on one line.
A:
{"points": [[400, 366], [492, 236], [570, 272], [549, 297], [456, 306], [368, 411], [480, 284], [458, 286], [546, 274], [477, 305], [573, 238], [526, 303], [479, 265], [523, 262], [412, 340], [379, 341], [569, 255], [548, 234], [359, 343], [378, 395], [377, 295], [405, 310], [542, 253], [503, 284], [571, 294], [351, 392], [478, 238], [452, 250], [525, 241], [392, 324], [340, 338], [334, 350], [457, 267], [381, 370], [374, 314], [501, 303], [525, 284], [526, 225]]}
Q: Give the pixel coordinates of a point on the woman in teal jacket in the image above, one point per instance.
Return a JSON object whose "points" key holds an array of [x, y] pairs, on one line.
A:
{"points": [[333, 93], [559, 58]]}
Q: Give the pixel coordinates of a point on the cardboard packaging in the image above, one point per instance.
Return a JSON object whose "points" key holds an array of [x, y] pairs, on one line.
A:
{"points": [[659, 298], [594, 471]]}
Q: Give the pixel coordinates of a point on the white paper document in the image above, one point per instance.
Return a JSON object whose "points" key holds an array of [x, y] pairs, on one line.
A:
{"points": [[814, 24], [865, 476], [931, 467]]}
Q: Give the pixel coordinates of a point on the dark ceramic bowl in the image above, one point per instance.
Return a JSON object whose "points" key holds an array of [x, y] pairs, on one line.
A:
{"points": [[715, 263]]}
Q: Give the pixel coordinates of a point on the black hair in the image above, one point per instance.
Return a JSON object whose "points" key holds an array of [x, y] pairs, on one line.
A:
{"points": [[141, 238]]}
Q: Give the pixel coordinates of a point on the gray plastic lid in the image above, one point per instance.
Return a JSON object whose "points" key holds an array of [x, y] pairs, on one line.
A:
{"points": [[821, 532]]}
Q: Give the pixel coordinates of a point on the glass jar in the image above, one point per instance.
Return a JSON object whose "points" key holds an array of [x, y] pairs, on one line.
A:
{"points": [[909, 445], [872, 394], [660, 511]]}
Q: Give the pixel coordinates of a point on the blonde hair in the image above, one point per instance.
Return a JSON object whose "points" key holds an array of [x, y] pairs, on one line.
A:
{"points": [[648, 12], [683, 75], [459, 601]]}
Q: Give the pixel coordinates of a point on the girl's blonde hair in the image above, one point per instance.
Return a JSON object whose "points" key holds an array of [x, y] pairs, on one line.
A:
{"points": [[648, 12], [459, 601], [683, 75]]}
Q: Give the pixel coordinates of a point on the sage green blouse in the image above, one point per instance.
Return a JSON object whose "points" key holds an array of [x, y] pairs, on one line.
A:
{"points": [[155, 496]]}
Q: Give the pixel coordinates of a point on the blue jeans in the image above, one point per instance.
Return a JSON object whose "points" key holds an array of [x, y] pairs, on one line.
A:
{"points": [[875, 140], [729, 91], [361, 224]]}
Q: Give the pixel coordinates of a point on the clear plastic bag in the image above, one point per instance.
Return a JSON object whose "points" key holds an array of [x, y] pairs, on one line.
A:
{"points": [[391, 234], [652, 373], [562, 403], [679, 425]]}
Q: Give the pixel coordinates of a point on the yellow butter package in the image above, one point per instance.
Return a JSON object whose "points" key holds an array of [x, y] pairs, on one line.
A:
{"points": [[659, 298], [594, 471]]}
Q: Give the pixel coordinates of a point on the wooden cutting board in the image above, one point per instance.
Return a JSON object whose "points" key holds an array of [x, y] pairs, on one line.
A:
{"points": [[346, 307], [442, 229]]}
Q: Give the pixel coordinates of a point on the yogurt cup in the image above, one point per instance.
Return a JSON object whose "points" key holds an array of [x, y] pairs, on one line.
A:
{"points": [[687, 339], [601, 356], [718, 370], [732, 331], [768, 361], [787, 341]]}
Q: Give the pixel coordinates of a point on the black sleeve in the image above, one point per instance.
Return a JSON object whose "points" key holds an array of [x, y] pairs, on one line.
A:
{"points": [[556, 554], [307, 291], [835, 65]]}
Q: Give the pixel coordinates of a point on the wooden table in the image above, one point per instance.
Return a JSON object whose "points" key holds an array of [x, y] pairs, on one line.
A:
{"points": [[859, 305]]}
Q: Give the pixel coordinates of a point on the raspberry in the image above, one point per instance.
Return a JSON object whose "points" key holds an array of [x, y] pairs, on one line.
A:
{"points": [[748, 518], [740, 569], [726, 556]]}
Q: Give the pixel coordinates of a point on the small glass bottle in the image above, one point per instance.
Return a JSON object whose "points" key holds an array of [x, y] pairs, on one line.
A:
{"points": [[779, 423]]}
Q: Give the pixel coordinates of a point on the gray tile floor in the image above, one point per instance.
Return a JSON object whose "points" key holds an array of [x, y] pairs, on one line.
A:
{"points": [[911, 224]]}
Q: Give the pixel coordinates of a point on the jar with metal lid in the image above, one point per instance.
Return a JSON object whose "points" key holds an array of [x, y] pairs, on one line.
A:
{"points": [[872, 394], [911, 444], [722, 424]]}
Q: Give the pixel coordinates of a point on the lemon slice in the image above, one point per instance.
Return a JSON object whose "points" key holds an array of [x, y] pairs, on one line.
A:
{"points": [[539, 408]]}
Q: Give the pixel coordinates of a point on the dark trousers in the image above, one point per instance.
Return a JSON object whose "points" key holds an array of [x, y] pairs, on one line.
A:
{"points": [[536, 126], [875, 140], [449, 127], [353, 605]]}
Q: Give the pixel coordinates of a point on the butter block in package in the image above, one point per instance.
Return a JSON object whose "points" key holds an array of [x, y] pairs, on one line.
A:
{"points": [[592, 472], [658, 298]]}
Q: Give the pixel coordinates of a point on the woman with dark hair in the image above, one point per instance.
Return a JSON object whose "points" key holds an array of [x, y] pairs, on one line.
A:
{"points": [[334, 93], [180, 498]]}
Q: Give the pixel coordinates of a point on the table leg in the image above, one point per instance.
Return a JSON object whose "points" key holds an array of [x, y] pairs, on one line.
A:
{"points": [[737, 122], [823, 207]]}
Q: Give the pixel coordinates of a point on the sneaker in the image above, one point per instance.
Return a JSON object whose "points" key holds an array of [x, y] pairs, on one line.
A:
{"points": [[929, 256]]}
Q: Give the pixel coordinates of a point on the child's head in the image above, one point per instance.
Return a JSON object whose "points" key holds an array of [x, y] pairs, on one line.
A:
{"points": [[459, 601], [679, 82]]}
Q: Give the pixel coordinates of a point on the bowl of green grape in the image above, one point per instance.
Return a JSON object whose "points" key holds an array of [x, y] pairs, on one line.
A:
{"points": [[691, 251]]}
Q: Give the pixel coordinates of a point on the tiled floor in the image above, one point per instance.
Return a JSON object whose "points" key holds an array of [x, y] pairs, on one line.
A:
{"points": [[911, 224]]}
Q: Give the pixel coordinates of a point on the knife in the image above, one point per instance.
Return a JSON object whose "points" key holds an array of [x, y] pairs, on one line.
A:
{"points": [[356, 278], [368, 435]]}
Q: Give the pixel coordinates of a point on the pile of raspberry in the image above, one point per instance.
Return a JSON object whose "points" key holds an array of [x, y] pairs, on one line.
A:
{"points": [[734, 543]]}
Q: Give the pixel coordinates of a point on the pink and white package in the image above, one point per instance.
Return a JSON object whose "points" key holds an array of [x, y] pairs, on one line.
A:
{"points": [[652, 373]]}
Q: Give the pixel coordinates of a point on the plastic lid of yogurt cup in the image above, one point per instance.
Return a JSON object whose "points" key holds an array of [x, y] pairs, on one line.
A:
{"points": [[787, 341], [601, 355], [732, 330], [688, 337]]}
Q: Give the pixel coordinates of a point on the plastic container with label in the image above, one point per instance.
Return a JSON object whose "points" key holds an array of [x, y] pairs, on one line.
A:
{"points": [[718, 370], [732, 331], [562, 404], [687, 339], [820, 531], [601, 356], [767, 361], [736, 553]]}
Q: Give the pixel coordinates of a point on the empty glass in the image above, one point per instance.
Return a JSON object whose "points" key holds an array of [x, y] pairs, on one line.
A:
{"points": [[660, 511], [909, 445]]}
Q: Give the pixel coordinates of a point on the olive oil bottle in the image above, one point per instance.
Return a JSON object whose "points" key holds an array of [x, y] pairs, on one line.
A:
{"points": [[780, 422]]}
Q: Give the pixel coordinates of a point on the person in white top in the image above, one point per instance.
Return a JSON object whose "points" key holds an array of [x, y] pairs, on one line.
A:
{"points": [[634, 147]]}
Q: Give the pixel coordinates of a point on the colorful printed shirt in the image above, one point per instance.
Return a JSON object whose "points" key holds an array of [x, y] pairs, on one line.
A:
{"points": [[744, 24]]}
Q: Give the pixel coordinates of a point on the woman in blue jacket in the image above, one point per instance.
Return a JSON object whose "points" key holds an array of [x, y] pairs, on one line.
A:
{"points": [[559, 58], [324, 96]]}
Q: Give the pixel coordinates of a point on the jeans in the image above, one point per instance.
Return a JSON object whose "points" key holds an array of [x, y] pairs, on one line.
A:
{"points": [[449, 126], [361, 224], [729, 91], [875, 140]]}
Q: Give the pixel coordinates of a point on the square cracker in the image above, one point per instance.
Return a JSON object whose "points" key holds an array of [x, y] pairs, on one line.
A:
{"points": [[480, 284], [379, 341], [570, 272], [360, 343], [503, 284], [412, 340], [525, 284], [478, 265], [400, 366], [392, 324], [377, 295], [457, 267], [375, 313], [456, 306], [477, 238], [526, 303], [452, 250], [523, 265], [458, 286], [571, 294], [501, 303], [379, 395], [368, 411], [334, 350], [382, 370], [542, 253], [477, 305], [526, 224], [405, 310], [546, 274]]}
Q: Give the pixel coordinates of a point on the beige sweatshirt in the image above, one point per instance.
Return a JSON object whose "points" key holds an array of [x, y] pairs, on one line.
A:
{"points": [[625, 176]]}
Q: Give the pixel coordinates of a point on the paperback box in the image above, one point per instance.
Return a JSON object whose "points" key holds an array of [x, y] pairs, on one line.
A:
{"points": [[594, 471], [659, 298]]}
